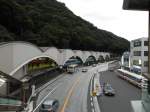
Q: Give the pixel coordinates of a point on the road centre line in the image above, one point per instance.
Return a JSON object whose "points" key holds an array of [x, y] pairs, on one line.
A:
{"points": [[69, 94]]}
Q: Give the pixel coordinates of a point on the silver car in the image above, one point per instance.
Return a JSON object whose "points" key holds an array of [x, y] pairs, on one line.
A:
{"points": [[49, 105], [84, 70], [108, 90]]}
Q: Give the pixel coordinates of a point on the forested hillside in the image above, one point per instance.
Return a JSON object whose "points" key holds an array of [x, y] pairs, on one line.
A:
{"points": [[51, 23]]}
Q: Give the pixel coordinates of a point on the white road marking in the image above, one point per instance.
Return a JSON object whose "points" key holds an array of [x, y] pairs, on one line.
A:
{"points": [[96, 105], [91, 85], [93, 110], [48, 83], [91, 99], [46, 97], [92, 104]]}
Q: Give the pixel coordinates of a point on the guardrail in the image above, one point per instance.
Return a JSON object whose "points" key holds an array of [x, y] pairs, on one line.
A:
{"points": [[7, 104]]}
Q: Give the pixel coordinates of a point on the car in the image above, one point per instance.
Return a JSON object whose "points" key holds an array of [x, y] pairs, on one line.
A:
{"points": [[111, 69], [84, 70], [94, 65], [49, 105], [108, 90]]}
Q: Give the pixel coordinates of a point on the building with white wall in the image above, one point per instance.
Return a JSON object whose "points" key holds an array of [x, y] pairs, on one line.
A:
{"points": [[139, 53], [16, 56]]}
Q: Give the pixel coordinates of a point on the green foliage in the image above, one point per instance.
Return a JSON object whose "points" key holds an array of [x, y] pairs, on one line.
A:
{"points": [[5, 35], [51, 23]]}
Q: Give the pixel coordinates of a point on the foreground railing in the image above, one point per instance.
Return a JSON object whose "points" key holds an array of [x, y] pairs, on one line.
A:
{"points": [[7, 104]]}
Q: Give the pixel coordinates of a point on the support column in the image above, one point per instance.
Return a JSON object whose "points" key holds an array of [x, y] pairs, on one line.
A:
{"points": [[146, 91], [149, 45]]}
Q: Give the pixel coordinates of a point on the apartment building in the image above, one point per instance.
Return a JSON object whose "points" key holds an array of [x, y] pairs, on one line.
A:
{"points": [[139, 53]]}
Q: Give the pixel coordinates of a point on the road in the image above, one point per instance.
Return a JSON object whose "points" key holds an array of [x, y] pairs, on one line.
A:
{"points": [[71, 90], [125, 92]]}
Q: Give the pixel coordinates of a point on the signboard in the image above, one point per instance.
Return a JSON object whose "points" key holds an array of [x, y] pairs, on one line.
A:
{"points": [[136, 5]]}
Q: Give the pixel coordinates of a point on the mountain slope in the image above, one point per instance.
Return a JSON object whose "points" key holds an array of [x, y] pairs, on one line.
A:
{"points": [[51, 23]]}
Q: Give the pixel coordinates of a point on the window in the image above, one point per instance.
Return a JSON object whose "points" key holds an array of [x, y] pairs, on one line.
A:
{"points": [[126, 59], [145, 53], [145, 63], [135, 62], [137, 43], [145, 43], [137, 53]]}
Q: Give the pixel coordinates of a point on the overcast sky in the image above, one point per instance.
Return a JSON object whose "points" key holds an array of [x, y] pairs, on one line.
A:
{"points": [[108, 15]]}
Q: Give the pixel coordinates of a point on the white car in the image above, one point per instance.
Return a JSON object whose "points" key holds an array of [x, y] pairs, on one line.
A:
{"points": [[94, 65], [84, 70]]}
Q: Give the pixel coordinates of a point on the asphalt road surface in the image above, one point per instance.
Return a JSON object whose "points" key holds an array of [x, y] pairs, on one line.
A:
{"points": [[71, 90], [125, 92]]}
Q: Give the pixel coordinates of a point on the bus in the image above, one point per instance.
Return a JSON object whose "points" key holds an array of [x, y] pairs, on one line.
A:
{"points": [[72, 68], [72, 62], [132, 78]]}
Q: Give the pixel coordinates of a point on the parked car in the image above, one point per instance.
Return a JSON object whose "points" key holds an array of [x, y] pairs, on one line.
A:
{"points": [[108, 90], [84, 70], [49, 105]]}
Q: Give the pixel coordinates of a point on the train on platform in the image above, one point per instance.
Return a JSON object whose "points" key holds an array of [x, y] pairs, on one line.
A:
{"points": [[132, 78]]}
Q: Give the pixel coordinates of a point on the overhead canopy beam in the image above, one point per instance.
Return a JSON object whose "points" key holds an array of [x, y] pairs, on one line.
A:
{"points": [[143, 5], [9, 78]]}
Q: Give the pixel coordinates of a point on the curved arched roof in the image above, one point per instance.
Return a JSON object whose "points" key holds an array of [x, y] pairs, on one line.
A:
{"points": [[53, 53], [79, 54], [86, 55], [65, 55], [14, 55]]}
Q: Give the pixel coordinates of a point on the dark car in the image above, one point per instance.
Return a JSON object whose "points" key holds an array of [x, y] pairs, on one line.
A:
{"points": [[111, 69], [108, 90], [49, 106]]}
